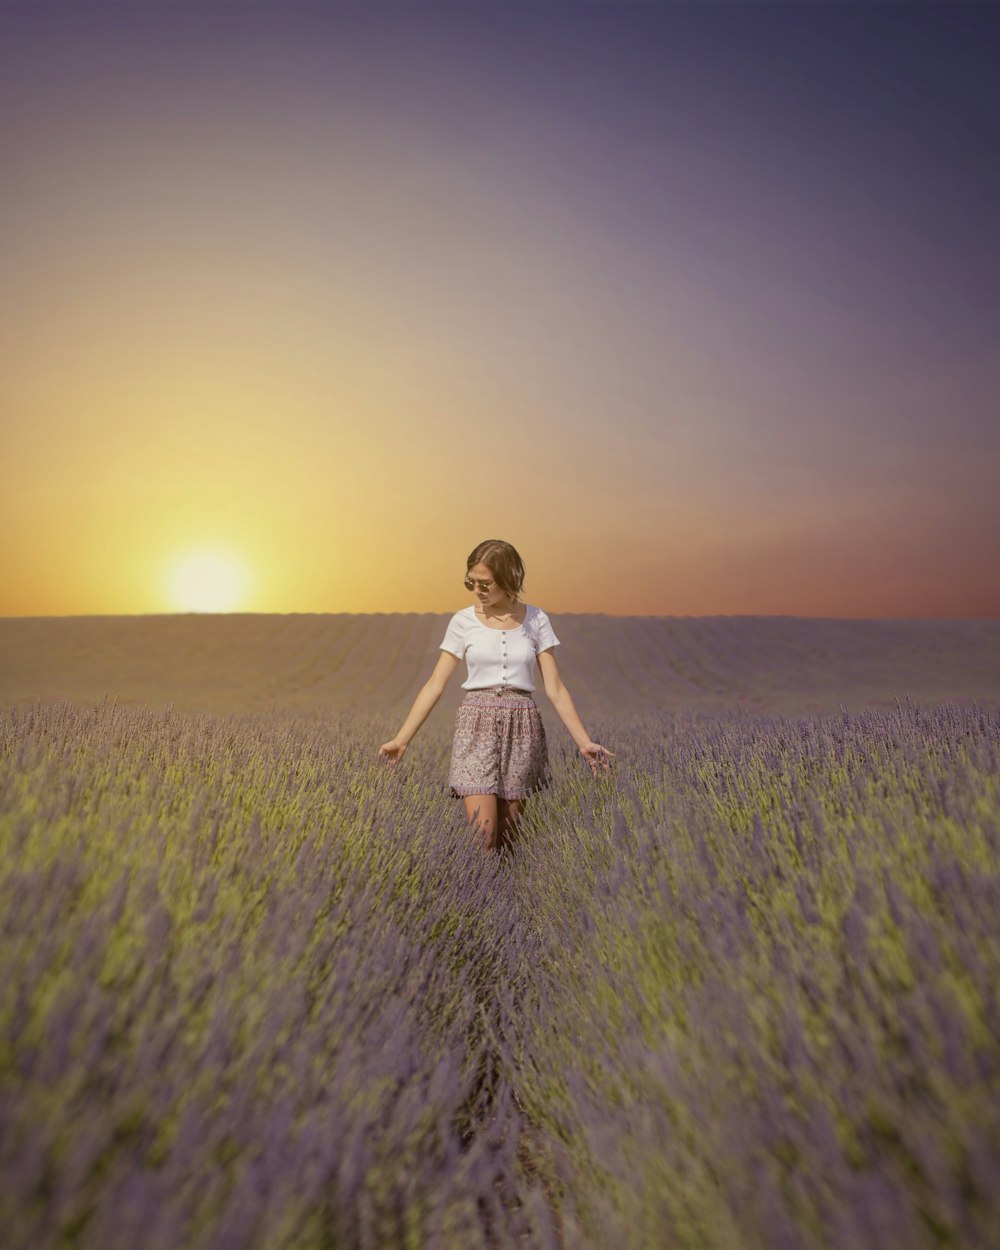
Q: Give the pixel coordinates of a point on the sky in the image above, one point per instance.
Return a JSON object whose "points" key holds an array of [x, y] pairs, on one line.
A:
{"points": [[697, 304]]}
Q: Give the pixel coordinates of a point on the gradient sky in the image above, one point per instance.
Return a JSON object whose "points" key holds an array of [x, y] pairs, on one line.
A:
{"points": [[696, 304]]}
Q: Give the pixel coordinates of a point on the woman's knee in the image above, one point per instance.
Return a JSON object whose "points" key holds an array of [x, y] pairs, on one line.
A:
{"points": [[508, 810], [482, 811]]}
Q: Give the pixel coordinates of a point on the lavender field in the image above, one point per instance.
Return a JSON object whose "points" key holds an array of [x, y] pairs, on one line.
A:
{"points": [[261, 990], [256, 663]]}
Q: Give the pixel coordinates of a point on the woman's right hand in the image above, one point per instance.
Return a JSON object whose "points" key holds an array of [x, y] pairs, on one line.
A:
{"points": [[393, 750]]}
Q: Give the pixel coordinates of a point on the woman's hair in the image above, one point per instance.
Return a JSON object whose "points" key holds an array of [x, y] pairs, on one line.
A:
{"points": [[502, 561]]}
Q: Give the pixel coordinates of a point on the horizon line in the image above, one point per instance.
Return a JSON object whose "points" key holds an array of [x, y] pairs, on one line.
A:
{"points": [[648, 616]]}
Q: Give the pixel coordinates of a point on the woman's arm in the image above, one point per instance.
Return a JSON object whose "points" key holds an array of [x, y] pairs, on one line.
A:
{"points": [[562, 701], [423, 705]]}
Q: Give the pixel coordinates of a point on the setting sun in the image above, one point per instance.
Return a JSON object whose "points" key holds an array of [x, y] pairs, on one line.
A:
{"points": [[207, 581]]}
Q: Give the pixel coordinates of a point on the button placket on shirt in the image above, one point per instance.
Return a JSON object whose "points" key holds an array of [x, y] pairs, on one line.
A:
{"points": [[503, 652]]}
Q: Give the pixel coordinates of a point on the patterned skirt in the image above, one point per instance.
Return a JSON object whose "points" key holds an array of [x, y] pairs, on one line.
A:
{"points": [[499, 746]]}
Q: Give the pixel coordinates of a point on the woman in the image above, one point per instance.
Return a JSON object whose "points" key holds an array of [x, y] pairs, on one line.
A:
{"points": [[499, 754]]}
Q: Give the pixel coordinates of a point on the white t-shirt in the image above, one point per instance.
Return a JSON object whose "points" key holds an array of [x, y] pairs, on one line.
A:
{"points": [[499, 657]]}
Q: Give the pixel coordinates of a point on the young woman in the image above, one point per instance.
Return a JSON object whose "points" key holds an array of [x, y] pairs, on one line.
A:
{"points": [[499, 754]]}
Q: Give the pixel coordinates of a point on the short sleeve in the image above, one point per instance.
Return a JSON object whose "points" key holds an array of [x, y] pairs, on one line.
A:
{"points": [[545, 633], [454, 637]]}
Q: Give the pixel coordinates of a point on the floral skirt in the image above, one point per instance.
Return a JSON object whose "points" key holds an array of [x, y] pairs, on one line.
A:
{"points": [[499, 746]]}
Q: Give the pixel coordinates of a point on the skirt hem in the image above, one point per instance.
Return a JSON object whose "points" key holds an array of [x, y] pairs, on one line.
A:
{"points": [[463, 792]]}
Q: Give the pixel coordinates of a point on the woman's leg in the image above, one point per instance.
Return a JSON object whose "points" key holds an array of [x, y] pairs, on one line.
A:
{"points": [[508, 811], [482, 812]]}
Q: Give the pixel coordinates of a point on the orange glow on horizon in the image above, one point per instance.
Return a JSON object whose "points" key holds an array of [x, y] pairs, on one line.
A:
{"points": [[207, 580]]}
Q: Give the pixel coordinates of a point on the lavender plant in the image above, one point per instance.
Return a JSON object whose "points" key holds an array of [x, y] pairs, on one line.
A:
{"points": [[776, 982], [259, 990]]}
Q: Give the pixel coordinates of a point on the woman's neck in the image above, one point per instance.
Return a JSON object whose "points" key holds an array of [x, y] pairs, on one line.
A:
{"points": [[498, 611]]}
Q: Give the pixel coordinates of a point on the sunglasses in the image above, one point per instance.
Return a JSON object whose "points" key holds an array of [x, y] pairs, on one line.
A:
{"points": [[472, 583]]}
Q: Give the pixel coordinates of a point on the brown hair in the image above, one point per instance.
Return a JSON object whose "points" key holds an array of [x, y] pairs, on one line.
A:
{"points": [[502, 561]]}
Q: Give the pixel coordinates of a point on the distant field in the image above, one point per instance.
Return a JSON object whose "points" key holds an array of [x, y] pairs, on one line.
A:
{"points": [[614, 665]]}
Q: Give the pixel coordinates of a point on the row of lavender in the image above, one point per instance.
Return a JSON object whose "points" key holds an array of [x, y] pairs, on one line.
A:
{"points": [[777, 985], [261, 990], [247, 994]]}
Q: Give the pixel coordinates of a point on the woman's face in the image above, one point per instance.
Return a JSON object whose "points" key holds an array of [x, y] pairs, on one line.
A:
{"points": [[485, 588]]}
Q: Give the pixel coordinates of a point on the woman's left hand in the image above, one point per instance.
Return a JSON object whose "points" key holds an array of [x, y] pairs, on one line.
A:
{"points": [[597, 757]]}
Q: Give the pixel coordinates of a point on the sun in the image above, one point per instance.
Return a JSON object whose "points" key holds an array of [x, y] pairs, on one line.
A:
{"points": [[207, 581]]}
